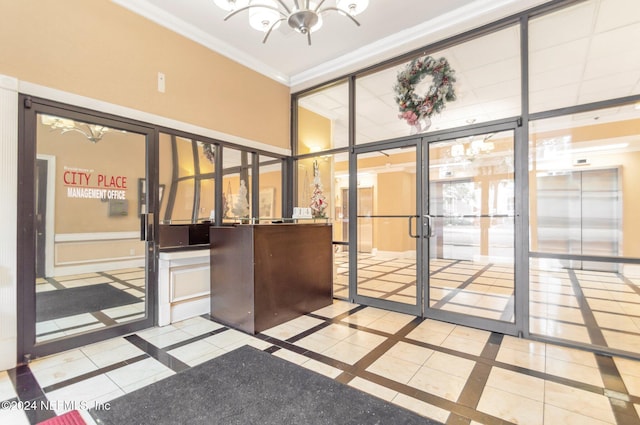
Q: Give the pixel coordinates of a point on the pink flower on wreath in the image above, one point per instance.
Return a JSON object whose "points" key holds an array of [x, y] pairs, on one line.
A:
{"points": [[410, 116], [426, 107]]}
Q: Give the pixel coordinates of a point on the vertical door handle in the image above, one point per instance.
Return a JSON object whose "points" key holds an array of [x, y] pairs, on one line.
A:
{"points": [[146, 227], [411, 217], [143, 227]]}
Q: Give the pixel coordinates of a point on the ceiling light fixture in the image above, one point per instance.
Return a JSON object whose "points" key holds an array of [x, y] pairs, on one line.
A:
{"points": [[93, 132], [304, 16]]}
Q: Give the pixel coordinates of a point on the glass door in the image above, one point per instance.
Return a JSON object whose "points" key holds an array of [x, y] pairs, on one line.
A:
{"points": [[470, 204], [386, 258], [87, 232]]}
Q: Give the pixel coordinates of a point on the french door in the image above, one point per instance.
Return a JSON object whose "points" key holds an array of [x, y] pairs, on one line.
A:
{"points": [[443, 220], [87, 253]]}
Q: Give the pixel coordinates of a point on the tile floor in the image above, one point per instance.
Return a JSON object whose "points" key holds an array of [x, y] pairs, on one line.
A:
{"points": [[449, 373]]}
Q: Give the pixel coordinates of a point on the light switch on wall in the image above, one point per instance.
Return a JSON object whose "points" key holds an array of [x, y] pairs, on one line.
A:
{"points": [[161, 82]]}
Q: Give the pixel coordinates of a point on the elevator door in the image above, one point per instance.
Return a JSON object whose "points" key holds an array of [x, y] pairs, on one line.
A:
{"points": [[579, 214]]}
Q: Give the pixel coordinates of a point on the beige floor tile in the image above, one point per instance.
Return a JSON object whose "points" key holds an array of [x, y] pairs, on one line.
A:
{"points": [[556, 415], [421, 408], [574, 371], [516, 383], [578, 401], [336, 331], [456, 366], [511, 407], [393, 368], [321, 368], [438, 383], [365, 339], [464, 345], [346, 352], [409, 352], [133, 375], [6, 387], [291, 356], [373, 389], [521, 358], [428, 336], [316, 342], [525, 345]]}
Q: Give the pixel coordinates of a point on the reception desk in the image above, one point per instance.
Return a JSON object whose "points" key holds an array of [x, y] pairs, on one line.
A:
{"points": [[263, 275]]}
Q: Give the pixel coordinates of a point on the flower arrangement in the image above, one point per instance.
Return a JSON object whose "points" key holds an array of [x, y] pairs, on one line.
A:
{"points": [[414, 107]]}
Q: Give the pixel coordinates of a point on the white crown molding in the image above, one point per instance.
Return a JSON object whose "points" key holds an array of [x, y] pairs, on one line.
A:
{"points": [[162, 18], [455, 22]]}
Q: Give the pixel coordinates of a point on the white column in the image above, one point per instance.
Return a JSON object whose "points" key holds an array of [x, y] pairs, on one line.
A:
{"points": [[8, 218]]}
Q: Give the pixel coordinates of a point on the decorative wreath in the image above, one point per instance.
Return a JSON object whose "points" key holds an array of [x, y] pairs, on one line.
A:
{"points": [[414, 107]]}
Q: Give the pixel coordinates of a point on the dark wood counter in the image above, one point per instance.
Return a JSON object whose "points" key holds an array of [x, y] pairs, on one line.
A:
{"points": [[263, 275]]}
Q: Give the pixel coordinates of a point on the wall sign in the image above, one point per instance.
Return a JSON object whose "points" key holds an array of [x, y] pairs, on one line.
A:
{"points": [[87, 184]]}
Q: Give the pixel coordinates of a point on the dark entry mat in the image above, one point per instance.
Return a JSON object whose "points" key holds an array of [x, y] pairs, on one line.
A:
{"points": [[248, 386], [52, 305]]}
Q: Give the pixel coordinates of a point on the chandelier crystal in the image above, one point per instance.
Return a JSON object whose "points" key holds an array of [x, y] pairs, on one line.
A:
{"points": [[304, 16]]}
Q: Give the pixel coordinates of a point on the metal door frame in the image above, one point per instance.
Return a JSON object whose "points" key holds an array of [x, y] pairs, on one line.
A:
{"points": [[521, 238], [416, 309], [28, 348]]}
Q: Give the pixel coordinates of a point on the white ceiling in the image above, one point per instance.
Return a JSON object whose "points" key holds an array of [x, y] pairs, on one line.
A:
{"points": [[580, 55], [388, 28]]}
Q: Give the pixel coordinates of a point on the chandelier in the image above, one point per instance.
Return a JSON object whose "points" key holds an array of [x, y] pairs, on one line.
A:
{"points": [[93, 132], [304, 16]]}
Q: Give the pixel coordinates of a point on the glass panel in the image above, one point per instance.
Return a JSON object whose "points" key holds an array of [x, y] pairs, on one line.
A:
{"points": [[187, 179], [184, 148], [323, 119], [487, 87], [582, 54], [90, 262], [471, 202], [386, 199], [236, 182], [270, 187], [333, 176], [584, 202]]}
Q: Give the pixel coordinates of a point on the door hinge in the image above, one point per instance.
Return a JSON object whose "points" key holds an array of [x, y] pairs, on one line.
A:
{"points": [[27, 102]]}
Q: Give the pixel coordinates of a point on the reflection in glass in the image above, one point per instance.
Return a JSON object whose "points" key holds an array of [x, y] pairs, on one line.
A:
{"points": [[487, 88], [587, 58], [270, 187], [323, 119], [583, 202], [89, 257], [236, 183], [187, 169], [386, 208], [471, 201]]}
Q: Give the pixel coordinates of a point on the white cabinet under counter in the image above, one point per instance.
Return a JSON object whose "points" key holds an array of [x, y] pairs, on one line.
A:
{"points": [[183, 285]]}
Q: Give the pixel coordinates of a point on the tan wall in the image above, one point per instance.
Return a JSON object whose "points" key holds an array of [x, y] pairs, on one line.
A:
{"points": [[395, 194], [100, 50], [314, 131]]}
